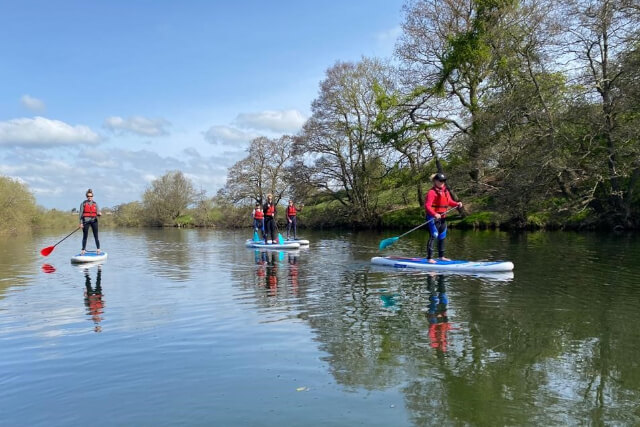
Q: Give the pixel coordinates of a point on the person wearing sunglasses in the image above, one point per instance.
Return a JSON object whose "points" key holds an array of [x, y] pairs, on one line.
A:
{"points": [[89, 214]]}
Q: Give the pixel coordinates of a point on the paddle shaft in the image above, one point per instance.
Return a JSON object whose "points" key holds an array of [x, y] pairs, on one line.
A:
{"points": [[424, 223], [78, 228]]}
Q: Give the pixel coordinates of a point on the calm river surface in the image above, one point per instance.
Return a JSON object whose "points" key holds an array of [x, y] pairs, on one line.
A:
{"points": [[189, 327]]}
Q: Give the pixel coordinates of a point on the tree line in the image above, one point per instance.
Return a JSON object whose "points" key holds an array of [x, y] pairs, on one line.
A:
{"points": [[531, 108]]}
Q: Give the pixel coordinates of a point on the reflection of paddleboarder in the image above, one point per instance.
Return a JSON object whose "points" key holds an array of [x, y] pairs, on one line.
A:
{"points": [[437, 312], [261, 262], [293, 272], [93, 298], [272, 272]]}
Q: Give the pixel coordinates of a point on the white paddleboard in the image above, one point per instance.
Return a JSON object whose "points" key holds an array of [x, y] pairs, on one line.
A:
{"points": [[453, 265], [89, 256], [303, 242], [260, 244]]}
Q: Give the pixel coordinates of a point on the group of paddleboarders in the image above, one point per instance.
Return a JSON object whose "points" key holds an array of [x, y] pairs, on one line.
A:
{"points": [[264, 219], [438, 201]]}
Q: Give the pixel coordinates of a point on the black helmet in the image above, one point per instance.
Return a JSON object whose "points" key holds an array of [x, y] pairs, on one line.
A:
{"points": [[439, 177]]}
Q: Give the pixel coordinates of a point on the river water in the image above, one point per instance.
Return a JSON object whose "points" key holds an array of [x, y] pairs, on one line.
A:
{"points": [[189, 327]]}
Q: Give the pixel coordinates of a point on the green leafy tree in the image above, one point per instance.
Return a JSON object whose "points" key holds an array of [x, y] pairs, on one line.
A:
{"points": [[338, 146], [167, 198], [17, 206]]}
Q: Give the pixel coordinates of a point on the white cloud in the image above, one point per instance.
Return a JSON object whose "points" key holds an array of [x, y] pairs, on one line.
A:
{"points": [[43, 132], [33, 104], [59, 178], [277, 121], [227, 135], [138, 125]]}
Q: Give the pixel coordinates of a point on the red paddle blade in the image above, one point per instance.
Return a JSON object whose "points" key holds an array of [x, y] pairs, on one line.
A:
{"points": [[46, 251]]}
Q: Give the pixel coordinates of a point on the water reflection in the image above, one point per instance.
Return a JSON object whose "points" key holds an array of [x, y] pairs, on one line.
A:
{"points": [[554, 346], [270, 269], [93, 298], [293, 274], [170, 253], [437, 312], [48, 268]]}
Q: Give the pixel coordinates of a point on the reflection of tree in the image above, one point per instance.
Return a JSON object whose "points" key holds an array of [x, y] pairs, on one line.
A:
{"points": [[12, 267], [507, 365], [170, 252], [532, 351]]}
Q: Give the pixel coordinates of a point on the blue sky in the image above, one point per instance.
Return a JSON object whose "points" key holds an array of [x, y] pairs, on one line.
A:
{"points": [[113, 94]]}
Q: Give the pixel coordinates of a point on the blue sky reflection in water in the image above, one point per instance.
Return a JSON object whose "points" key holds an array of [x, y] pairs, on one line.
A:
{"points": [[190, 327]]}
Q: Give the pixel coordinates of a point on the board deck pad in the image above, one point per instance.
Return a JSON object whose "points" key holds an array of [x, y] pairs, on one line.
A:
{"points": [[89, 256]]}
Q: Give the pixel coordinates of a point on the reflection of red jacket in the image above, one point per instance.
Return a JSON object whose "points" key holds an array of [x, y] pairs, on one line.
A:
{"points": [[438, 335], [95, 306]]}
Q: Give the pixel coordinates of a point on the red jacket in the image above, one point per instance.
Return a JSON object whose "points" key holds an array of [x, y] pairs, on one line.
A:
{"points": [[438, 200]]}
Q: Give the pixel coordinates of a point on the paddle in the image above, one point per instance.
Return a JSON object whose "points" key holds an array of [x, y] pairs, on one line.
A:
{"points": [[46, 251], [256, 238], [280, 238], [391, 240]]}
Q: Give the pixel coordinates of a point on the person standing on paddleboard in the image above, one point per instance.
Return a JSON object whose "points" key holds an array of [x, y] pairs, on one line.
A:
{"points": [[269, 210], [258, 219], [89, 214], [292, 222], [437, 201]]}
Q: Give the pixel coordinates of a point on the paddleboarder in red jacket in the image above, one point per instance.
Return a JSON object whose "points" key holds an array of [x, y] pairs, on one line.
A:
{"points": [[437, 201], [89, 214]]}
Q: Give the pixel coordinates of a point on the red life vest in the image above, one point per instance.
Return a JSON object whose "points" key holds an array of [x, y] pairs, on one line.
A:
{"points": [[442, 200], [89, 209], [258, 214], [271, 210], [291, 211]]}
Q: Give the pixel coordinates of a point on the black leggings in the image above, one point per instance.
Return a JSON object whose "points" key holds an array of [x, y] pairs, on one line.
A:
{"points": [[438, 227], [269, 227], [85, 232], [293, 224]]}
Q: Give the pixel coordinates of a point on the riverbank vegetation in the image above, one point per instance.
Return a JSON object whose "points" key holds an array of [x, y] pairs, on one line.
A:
{"points": [[531, 108]]}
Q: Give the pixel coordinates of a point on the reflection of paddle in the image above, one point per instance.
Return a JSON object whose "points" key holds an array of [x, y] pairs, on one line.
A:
{"points": [[46, 251], [391, 240], [48, 268]]}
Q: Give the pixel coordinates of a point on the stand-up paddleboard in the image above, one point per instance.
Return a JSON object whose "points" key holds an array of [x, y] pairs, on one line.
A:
{"points": [[262, 245], [89, 256], [453, 265], [303, 242]]}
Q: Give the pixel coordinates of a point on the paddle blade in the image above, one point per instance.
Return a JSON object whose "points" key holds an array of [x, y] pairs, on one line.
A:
{"points": [[256, 238], [46, 251], [280, 239], [388, 242]]}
